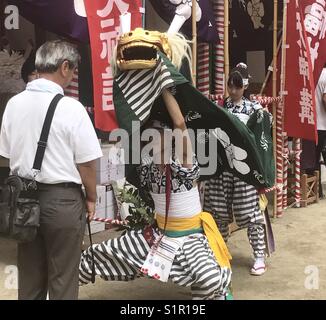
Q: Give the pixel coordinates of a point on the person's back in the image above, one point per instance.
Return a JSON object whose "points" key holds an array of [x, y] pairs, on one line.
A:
{"points": [[68, 134], [49, 263]]}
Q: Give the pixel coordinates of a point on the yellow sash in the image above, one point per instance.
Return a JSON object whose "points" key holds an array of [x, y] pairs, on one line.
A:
{"points": [[206, 221], [263, 202]]}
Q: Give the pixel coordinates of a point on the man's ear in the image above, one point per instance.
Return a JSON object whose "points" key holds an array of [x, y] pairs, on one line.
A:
{"points": [[64, 68]]}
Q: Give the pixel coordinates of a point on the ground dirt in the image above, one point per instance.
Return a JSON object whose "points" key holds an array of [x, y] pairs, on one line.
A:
{"points": [[297, 270]]}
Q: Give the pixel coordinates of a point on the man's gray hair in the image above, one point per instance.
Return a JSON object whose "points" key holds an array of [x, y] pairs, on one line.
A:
{"points": [[51, 55]]}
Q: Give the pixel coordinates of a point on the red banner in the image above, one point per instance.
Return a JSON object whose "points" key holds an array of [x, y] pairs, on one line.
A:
{"points": [[300, 111], [314, 12], [104, 29]]}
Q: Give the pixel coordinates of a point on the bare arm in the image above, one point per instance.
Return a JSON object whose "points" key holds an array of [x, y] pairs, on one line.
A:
{"points": [[185, 156], [324, 100], [87, 173]]}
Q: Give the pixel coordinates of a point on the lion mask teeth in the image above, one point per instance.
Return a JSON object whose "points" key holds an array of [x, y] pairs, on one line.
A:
{"points": [[138, 49]]}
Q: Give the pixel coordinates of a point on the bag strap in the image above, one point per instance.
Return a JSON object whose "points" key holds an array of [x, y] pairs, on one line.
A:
{"points": [[41, 145]]}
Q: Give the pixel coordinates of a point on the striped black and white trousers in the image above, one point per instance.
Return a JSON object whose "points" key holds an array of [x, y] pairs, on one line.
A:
{"points": [[194, 264], [228, 196]]}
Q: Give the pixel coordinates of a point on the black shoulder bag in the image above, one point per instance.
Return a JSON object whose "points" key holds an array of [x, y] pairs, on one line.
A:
{"points": [[19, 204]]}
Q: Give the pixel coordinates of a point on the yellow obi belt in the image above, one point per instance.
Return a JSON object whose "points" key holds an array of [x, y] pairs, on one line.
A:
{"points": [[202, 222], [186, 217]]}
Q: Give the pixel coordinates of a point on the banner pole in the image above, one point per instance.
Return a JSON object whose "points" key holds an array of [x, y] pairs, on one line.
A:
{"points": [[279, 120], [275, 53], [194, 42], [226, 44], [270, 71], [144, 13]]}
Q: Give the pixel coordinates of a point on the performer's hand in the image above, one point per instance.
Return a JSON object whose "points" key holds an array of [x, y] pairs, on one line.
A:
{"points": [[90, 207]]}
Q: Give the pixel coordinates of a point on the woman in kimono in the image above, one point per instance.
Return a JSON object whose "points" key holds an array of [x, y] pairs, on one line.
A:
{"points": [[188, 248], [228, 196]]}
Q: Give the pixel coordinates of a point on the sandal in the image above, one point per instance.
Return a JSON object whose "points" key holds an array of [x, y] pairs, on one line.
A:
{"points": [[259, 268]]}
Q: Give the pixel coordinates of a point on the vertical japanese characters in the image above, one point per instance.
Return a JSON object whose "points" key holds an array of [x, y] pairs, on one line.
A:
{"points": [[104, 28], [305, 58]]}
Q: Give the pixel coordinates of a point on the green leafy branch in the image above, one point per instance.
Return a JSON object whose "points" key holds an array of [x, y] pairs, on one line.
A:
{"points": [[141, 215]]}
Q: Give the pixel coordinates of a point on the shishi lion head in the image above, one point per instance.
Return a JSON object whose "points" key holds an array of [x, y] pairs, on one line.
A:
{"points": [[138, 49]]}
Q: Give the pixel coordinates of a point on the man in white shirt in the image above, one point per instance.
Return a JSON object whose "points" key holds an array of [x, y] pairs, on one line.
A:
{"points": [[321, 121], [49, 264]]}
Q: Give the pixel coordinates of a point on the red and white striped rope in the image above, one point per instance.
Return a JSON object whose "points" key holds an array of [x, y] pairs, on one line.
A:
{"points": [[285, 170], [297, 170], [203, 68], [267, 190], [265, 100], [218, 8], [292, 153], [262, 100], [111, 221], [216, 97], [279, 156]]}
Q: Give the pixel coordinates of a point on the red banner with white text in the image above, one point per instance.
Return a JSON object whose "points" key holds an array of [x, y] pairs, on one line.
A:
{"points": [[300, 111], [104, 28], [314, 12]]}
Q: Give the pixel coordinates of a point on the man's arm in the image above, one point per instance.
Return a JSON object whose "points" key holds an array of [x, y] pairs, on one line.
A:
{"points": [[179, 123], [324, 100], [87, 173]]}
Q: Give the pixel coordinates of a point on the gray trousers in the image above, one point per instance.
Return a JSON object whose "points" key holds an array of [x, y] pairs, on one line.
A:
{"points": [[49, 264]]}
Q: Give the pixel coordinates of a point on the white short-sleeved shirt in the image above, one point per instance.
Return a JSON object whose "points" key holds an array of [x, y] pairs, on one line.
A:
{"points": [[320, 108], [72, 138]]}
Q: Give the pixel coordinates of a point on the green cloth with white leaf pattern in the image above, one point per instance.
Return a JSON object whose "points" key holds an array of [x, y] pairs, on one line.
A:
{"points": [[137, 97], [260, 123]]}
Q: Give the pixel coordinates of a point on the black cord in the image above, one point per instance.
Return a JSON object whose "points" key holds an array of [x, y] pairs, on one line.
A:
{"points": [[91, 249]]}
